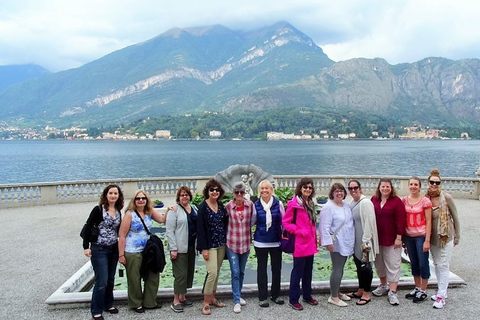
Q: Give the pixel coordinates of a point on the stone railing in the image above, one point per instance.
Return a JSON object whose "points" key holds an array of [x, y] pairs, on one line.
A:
{"points": [[16, 195]]}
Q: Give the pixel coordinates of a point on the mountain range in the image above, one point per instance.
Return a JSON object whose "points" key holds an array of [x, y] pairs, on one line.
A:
{"points": [[217, 69]]}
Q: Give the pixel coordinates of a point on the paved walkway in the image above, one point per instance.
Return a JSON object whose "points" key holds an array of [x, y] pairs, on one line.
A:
{"points": [[41, 249]]}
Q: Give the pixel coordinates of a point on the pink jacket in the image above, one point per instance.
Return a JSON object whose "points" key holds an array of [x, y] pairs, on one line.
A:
{"points": [[304, 230]]}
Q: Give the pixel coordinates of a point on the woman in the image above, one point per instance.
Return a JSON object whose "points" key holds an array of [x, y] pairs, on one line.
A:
{"points": [[131, 242], [181, 230], [391, 218], [338, 237], [266, 241], [300, 220], [239, 236], [417, 238], [445, 234], [211, 240], [103, 253], [366, 241]]}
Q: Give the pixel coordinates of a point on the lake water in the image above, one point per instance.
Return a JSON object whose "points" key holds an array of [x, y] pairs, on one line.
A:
{"points": [[49, 161]]}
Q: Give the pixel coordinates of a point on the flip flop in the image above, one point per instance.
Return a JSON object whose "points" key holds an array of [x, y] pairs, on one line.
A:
{"points": [[353, 295], [362, 304], [217, 304]]}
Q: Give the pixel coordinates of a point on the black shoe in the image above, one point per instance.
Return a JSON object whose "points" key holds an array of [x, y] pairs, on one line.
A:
{"points": [[263, 304], [277, 300], [420, 297], [98, 318], [412, 294], [112, 310], [186, 303], [139, 310], [176, 307], [157, 306]]}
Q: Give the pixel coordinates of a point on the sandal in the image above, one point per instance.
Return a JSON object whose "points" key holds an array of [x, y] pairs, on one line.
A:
{"points": [[365, 301], [206, 310], [217, 304], [353, 295]]}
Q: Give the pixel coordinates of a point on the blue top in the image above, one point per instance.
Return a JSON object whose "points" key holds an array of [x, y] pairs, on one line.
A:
{"points": [[137, 236]]}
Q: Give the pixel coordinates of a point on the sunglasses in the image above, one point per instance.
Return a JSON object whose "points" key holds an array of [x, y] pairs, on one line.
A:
{"points": [[140, 198], [239, 192], [435, 182], [214, 190], [353, 188], [307, 187]]}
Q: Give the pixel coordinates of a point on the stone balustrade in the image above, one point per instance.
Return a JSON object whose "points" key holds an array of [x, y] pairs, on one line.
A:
{"points": [[15, 195]]}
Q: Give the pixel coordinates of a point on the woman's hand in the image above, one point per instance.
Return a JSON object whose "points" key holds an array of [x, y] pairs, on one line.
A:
{"points": [[87, 253], [426, 246], [122, 260], [330, 248], [173, 255], [397, 244], [205, 255]]}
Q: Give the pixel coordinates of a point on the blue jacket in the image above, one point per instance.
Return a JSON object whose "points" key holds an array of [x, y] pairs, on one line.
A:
{"points": [[275, 232]]}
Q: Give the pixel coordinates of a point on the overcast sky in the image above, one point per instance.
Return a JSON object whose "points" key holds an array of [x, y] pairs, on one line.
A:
{"points": [[64, 34]]}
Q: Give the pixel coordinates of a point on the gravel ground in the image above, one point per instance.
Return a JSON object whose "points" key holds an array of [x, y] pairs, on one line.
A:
{"points": [[41, 249]]}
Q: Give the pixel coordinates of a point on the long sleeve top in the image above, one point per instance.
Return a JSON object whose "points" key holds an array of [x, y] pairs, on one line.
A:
{"points": [[332, 217], [391, 219]]}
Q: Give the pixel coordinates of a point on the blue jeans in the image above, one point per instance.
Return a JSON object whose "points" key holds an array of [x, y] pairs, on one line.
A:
{"points": [[418, 258], [302, 270], [104, 261], [237, 269]]}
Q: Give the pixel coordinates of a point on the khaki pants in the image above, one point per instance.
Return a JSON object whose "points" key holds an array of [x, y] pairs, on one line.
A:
{"points": [[213, 264], [137, 298]]}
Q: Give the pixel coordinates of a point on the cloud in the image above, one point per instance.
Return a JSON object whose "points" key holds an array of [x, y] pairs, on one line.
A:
{"points": [[66, 34]]}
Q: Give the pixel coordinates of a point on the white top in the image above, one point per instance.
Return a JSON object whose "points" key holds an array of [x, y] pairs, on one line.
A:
{"points": [[331, 218]]}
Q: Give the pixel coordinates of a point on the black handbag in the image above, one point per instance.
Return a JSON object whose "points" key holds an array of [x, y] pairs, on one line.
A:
{"points": [[287, 241], [90, 234]]}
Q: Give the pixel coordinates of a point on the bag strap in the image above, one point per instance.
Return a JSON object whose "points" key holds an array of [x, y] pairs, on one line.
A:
{"points": [[294, 216], [345, 219], [144, 225], [357, 203]]}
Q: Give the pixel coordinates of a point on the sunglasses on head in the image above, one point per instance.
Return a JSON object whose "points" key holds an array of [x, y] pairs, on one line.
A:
{"points": [[214, 190], [435, 182], [353, 188], [140, 198]]}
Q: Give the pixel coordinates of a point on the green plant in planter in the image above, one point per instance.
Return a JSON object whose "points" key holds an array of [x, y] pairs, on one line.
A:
{"points": [[158, 203], [322, 199], [284, 194]]}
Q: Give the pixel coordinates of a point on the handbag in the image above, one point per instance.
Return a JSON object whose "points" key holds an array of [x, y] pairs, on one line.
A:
{"points": [[92, 233], [366, 265], [287, 241], [153, 255]]}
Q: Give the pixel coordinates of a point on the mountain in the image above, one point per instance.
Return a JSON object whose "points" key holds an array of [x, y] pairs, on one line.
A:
{"points": [[215, 68], [12, 74]]}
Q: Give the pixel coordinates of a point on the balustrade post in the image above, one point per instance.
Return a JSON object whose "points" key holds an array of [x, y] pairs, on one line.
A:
{"points": [[48, 194], [129, 189], [200, 185]]}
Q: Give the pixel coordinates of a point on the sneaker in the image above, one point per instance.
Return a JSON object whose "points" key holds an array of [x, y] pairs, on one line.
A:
{"points": [[263, 304], [243, 302], [296, 306], [277, 300], [381, 290], [311, 301], [439, 303], [412, 294], [186, 303], [392, 298], [434, 297], [420, 297], [177, 307], [237, 308]]}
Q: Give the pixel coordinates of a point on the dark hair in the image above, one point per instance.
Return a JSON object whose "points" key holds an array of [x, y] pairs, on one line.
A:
{"points": [[377, 192], [212, 183], [356, 181], [104, 200], [416, 178], [434, 173], [337, 186], [304, 182], [186, 190]]}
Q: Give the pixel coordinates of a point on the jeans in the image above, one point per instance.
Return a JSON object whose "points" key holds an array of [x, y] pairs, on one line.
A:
{"points": [[302, 270], [441, 260], [418, 258], [104, 261], [262, 276], [237, 270]]}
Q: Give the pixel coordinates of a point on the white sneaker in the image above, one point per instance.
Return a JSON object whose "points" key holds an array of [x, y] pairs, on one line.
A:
{"points": [[434, 297], [237, 308], [381, 290], [243, 302], [439, 303], [393, 299]]}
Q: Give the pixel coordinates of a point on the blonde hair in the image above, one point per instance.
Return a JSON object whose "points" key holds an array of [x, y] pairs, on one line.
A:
{"points": [[148, 206], [266, 183]]}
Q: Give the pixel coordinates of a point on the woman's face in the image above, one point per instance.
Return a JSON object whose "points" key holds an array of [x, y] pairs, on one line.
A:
{"points": [[140, 200], [355, 190], [414, 186], [338, 195], [239, 195], [265, 192], [307, 190], [184, 198], [385, 189], [434, 183], [213, 192], [112, 195]]}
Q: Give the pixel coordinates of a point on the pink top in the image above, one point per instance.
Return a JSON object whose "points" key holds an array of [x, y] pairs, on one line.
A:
{"points": [[416, 223]]}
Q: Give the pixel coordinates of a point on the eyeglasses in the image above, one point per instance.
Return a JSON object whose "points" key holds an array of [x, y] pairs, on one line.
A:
{"points": [[214, 190], [307, 187], [140, 198], [353, 188], [239, 192], [338, 191], [435, 182]]}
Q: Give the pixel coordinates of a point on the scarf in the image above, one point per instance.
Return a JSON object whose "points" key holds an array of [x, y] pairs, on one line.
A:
{"points": [[268, 213], [443, 216], [309, 208]]}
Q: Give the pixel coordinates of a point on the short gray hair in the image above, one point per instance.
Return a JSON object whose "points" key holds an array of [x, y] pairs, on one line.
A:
{"points": [[239, 186]]}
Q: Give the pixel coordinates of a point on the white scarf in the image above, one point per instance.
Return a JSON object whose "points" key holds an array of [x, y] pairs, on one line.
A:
{"points": [[266, 207]]}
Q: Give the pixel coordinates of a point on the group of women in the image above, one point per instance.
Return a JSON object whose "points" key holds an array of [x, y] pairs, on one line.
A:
{"points": [[371, 230]]}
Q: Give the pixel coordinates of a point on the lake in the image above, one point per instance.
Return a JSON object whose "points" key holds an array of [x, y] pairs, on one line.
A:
{"points": [[48, 161]]}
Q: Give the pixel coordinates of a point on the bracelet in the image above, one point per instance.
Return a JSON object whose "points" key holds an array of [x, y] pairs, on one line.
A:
{"points": [[121, 256]]}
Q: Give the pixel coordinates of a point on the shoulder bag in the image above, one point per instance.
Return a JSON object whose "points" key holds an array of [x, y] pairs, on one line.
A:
{"points": [[287, 241]]}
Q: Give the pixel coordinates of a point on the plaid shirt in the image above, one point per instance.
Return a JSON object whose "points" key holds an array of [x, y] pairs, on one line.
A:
{"points": [[239, 233]]}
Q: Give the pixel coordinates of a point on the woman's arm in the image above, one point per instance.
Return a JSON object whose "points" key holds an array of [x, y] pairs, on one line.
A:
{"points": [[428, 229], [122, 235], [158, 217]]}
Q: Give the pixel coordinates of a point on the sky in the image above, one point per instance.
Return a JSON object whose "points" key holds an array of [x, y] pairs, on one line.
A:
{"points": [[65, 34]]}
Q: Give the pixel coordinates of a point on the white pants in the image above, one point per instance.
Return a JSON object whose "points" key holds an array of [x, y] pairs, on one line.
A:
{"points": [[441, 260]]}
